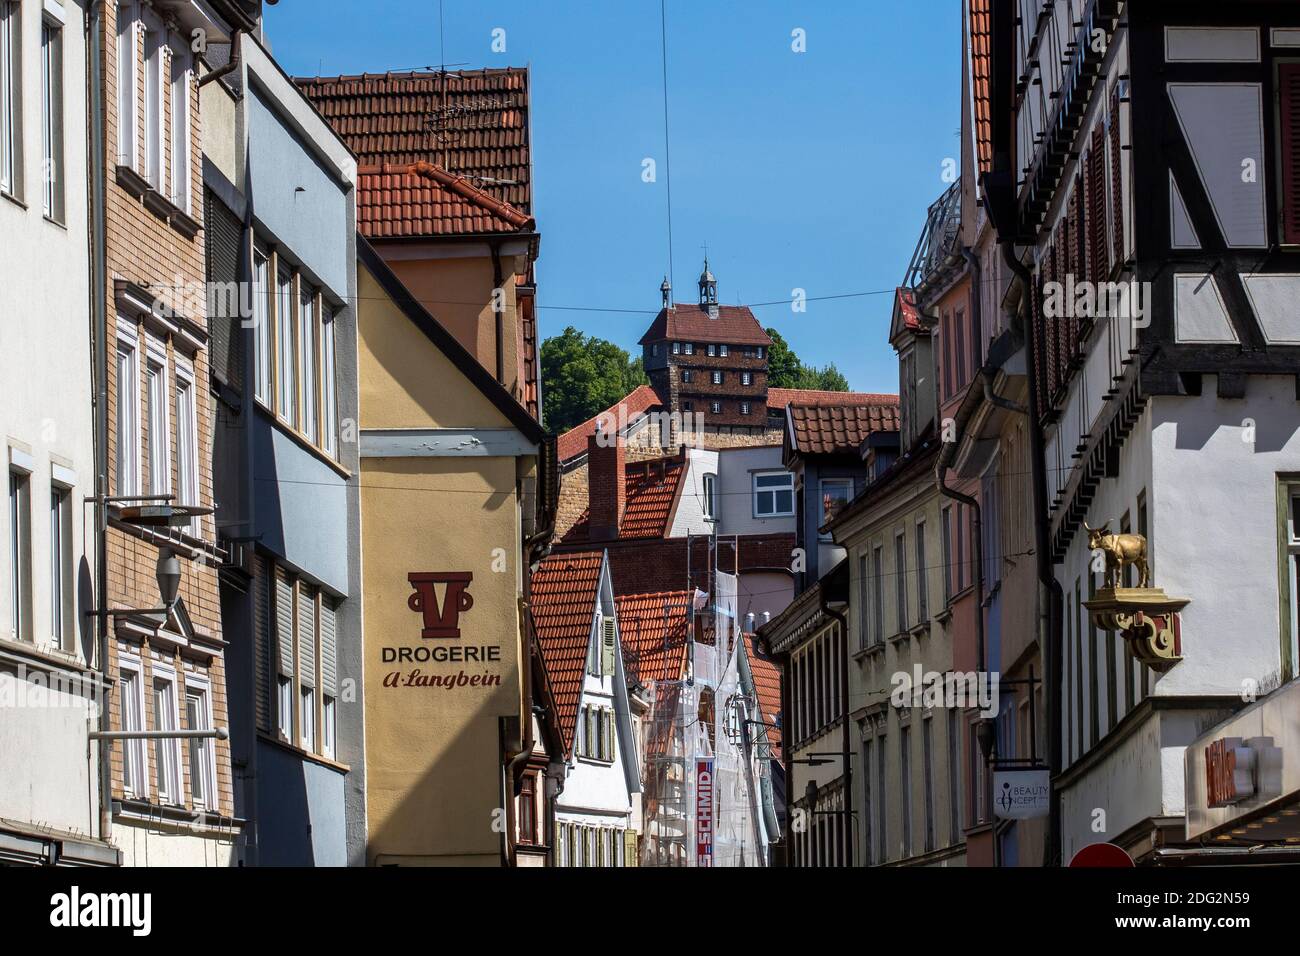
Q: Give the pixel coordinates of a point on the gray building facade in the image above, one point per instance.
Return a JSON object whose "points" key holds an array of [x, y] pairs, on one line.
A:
{"points": [[280, 185]]}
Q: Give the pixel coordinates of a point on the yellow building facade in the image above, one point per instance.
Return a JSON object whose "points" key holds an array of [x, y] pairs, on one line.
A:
{"points": [[450, 515]]}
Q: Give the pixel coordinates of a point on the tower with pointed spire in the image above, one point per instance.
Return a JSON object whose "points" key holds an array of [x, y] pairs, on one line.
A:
{"points": [[709, 359], [708, 291]]}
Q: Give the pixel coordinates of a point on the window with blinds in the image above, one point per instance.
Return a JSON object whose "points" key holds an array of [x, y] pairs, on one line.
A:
{"points": [[1288, 84], [263, 642]]}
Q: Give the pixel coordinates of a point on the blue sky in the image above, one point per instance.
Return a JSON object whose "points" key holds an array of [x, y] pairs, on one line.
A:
{"points": [[804, 170]]}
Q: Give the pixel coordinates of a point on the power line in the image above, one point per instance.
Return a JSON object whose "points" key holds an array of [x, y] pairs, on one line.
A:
{"points": [[668, 164]]}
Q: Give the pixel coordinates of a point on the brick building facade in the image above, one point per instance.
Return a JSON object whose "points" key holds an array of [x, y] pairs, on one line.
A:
{"points": [[709, 359], [172, 799]]}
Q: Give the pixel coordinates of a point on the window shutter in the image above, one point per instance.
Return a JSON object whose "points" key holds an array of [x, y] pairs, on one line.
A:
{"points": [[607, 655], [1116, 180], [262, 641], [1097, 254], [306, 635], [1289, 89], [329, 653], [609, 735], [284, 621], [629, 848]]}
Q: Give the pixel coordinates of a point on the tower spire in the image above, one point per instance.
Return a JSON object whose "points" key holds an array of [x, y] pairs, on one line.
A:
{"points": [[708, 290]]}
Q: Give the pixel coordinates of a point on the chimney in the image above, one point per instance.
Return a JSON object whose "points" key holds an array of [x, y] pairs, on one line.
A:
{"points": [[606, 484]]}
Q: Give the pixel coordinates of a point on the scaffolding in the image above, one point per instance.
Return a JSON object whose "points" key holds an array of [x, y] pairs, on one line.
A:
{"points": [[701, 791]]}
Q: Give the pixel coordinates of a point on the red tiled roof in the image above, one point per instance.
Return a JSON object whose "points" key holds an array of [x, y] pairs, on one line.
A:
{"points": [[563, 606], [472, 123], [573, 443], [652, 628], [981, 45], [734, 325], [651, 488], [781, 397], [831, 429], [767, 685], [421, 199]]}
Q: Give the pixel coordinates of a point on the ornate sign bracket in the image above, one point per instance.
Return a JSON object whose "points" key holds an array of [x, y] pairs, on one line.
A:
{"points": [[1146, 618]]}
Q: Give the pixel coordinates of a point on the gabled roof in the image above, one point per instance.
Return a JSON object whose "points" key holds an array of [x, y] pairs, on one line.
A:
{"points": [[651, 488], [447, 343], [838, 429], [779, 398], [734, 325], [767, 686], [564, 590], [640, 400], [423, 199], [472, 123], [652, 627]]}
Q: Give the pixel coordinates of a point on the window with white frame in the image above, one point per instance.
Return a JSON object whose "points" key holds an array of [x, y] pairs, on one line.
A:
{"points": [[187, 445], [877, 594], [20, 556], [128, 414], [52, 120], [180, 123], [744, 408], [131, 693], [723, 350], [713, 350], [166, 751], [154, 45], [689, 348], [307, 719], [61, 617], [156, 416], [710, 496], [715, 408], [329, 396], [717, 378], [677, 348], [773, 494], [203, 760], [746, 378], [10, 98], [686, 376], [286, 364], [261, 327], [307, 358], [284, 707], [127, 41], [328, 727]]}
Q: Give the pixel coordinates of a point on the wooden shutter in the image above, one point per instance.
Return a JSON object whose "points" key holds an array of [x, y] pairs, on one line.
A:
{"points": [[1097, 253], [1289, 136], [284, 622], [329, 653], [306, 635], [1116, 181], [629, 848], [262, 642], [607, 743], [607, 651]]}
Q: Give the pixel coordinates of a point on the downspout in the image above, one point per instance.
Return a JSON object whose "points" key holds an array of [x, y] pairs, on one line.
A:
{"points": [[1050, 598], [844, 730], [229, 68], [499, 312], [99, 338]]}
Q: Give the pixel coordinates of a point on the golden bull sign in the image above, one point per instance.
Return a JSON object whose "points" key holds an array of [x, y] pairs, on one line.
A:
{"points": [[444, 621]]}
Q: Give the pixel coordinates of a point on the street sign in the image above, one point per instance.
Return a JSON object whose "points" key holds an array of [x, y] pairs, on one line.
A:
{"points": [[1102, 855]]}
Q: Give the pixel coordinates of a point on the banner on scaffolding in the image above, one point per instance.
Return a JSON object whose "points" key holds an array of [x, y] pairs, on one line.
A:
{"points": [[704, 812]]}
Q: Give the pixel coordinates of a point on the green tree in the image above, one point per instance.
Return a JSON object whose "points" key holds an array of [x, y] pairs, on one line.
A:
{"points": [[783, 366], [785, 370], [583, 375]]}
